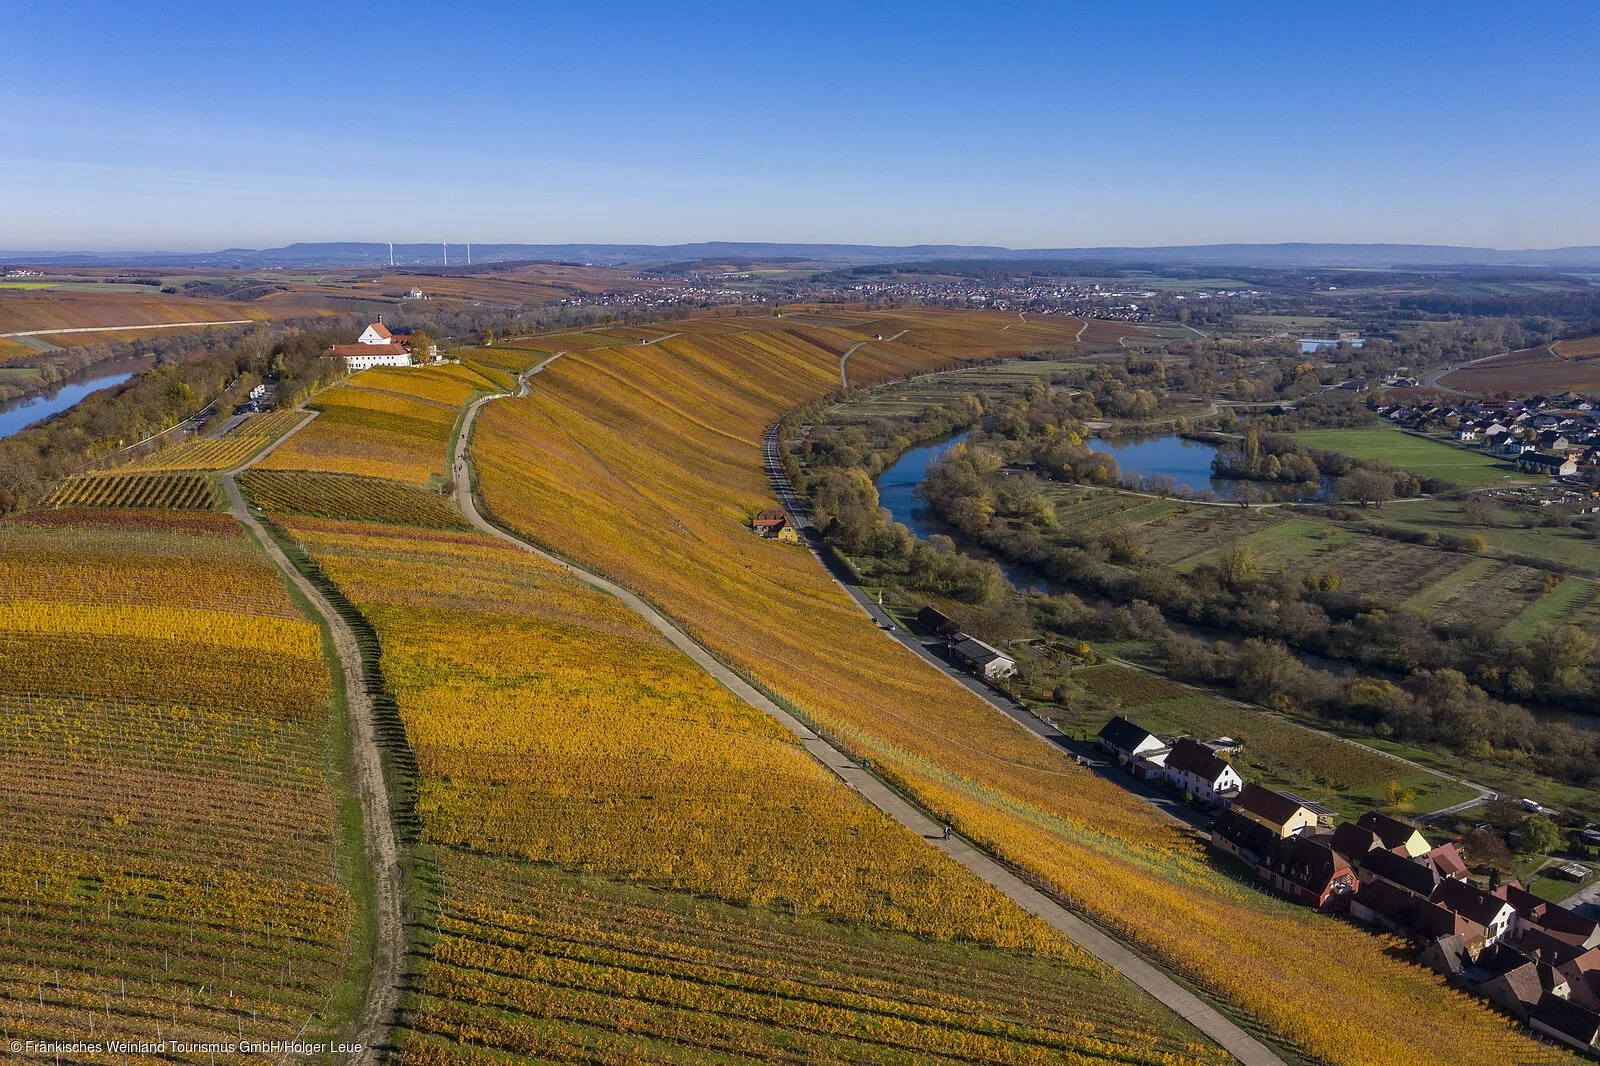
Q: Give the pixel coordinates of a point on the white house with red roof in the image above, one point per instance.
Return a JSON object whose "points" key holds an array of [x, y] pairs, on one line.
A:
{"points": [[375, 347]]}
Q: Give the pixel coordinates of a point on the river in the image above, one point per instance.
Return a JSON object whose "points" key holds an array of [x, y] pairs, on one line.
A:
{"points": [[897, 490], [20, 414]]}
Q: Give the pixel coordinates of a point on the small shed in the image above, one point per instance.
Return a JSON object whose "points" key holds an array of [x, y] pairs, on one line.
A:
{"points": [[935, 623]]}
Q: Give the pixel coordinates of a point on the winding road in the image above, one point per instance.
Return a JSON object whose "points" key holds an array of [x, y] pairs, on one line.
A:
{"points": [[377, 825], [844, 379], [1146, 976]]}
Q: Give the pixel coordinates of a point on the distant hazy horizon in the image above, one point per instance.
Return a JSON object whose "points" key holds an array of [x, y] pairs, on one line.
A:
{"points": [[1037, 125]]}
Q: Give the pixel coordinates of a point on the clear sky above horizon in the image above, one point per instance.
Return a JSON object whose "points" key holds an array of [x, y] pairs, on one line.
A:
{"points": [[193, 126]]}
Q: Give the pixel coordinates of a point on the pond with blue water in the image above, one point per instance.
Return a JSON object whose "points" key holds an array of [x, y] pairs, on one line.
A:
{"points": [[1186, 462]]}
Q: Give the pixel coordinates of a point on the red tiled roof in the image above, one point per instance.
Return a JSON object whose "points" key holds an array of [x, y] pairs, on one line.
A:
{"points": [[1447, 860], [381, 330]]}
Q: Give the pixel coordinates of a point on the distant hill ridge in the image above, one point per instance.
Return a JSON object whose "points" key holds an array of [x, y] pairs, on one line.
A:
{"points": [[371, 254]]}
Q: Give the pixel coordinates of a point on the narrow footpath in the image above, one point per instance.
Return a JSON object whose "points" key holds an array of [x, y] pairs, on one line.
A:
{"points": [[1175, 997], [377, 1017]]}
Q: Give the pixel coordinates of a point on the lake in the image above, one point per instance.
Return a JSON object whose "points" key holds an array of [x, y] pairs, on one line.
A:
{"points": [[1188, 463], [20, 414]]}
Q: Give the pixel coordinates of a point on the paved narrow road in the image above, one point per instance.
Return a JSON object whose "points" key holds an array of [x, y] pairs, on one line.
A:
{"points": [[1146, 976], [377, 826], [126, 329]]}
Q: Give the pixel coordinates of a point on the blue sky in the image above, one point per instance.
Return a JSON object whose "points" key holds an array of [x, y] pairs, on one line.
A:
{"points": [[206, 125]]}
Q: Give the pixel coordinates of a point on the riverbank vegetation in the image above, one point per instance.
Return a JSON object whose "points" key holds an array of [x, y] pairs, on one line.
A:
{"points": [[97, 428], [1320, 579]]}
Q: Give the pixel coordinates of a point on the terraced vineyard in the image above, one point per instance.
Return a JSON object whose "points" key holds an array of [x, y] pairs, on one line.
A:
{"points": [[642, 461], [221, 453], [387, 423], [167, 852], [350, 496], [174, 491], [637, 867]]}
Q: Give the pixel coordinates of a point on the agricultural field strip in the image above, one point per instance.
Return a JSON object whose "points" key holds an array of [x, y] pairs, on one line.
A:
{"points": [[382, 850], [1142, 973]]}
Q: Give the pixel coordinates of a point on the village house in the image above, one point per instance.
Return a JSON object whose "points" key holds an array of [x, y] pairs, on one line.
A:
{"points": [[1378, 864], [1491, 912], [1306, 869], [1123, 739], [1553, 464], [1246, 839], [1512, 981], [1565, 1021], [1396, 835], [1201, 772], [1551, 919], [983, 660], [1284, 814], [1382, 903], [1352, 841], [775, 524], [375, 347]]}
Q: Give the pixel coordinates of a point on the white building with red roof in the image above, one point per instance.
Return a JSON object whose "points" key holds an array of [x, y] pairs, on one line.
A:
{"points": [[375, 347]]}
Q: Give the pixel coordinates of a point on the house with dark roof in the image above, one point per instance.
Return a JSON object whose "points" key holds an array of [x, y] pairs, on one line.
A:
{"points": [[1201, 772], [1516, 990], [1388, 906], [1244, 838], [1395, 834], [1413, 876], [1352, 841], [1307, 869], [1490, 911], [982, 659], [1285, 815], [1565, 1021], [1543, 947], [1124, 739], [1550, 919], [1447, 955], [934, 623], [1555, 464]]}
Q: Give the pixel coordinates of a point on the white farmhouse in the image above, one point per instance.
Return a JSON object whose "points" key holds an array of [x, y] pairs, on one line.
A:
{"points": [[375, 347], [1200, 772]]}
